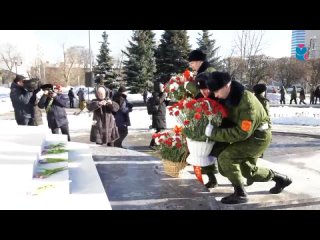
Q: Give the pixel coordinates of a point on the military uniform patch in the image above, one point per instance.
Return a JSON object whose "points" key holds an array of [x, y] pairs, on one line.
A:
{"points": [[246, 125]]}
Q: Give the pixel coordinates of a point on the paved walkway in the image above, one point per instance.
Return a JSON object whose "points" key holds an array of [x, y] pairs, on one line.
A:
{"points": [[134, 179]]}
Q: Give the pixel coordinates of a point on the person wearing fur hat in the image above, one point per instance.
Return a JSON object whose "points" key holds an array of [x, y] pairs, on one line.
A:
{"points": [[198, 63], [122, 116], [104, 129], [250, 137], [259, 91]]}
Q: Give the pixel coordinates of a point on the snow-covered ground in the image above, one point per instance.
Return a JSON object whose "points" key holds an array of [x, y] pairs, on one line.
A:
{"points": [[140, 120]]}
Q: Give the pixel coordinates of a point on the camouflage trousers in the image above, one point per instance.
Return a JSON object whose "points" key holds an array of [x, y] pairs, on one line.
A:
{"points": [[239, 159], [218, 147]]}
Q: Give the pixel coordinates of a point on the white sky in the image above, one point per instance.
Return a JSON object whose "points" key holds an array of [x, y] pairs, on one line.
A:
{"points": [[48, 43]]}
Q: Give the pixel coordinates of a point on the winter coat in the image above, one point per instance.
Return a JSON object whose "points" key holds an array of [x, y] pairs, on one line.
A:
{"points": [[56, 114], [245, 110], [265, 103], [122, 116], [104, 128], [81, 95], [159, 118], [20, 99], [71, 94], [282, 92], [205, 67], [37, 114], [294, 93], [302, 95]]}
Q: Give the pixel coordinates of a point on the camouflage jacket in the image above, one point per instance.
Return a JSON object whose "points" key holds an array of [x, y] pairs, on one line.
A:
{"points": [[245, 111]]}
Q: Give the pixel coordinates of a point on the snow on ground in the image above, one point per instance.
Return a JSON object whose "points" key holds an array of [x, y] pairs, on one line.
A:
{"points": [[140, 120]]}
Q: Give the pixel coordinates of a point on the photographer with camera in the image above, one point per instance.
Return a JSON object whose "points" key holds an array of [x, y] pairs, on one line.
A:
{"points": [[20, 98], [104, 129], [122, 116], [54, 102]]}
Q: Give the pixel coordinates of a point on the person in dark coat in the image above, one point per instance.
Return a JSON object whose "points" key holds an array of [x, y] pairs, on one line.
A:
{"points": [[294, 95], [145, 95], [158, 117], [20, 98], [302, 96], [312, 95], [122, 116], [282, 95], [71, 97], [317, 94], [55, 103], [104, 129]]}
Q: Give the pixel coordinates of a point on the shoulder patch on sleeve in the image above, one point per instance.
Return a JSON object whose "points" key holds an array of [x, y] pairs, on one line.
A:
{"points": [[246, 125]]}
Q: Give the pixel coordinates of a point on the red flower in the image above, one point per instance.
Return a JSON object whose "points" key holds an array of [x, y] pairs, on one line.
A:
{"points": [[186, 122], [197, 116]]}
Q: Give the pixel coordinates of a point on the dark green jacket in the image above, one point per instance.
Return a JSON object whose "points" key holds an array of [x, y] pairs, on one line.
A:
{"points": [[265, 103], [243, 108]]}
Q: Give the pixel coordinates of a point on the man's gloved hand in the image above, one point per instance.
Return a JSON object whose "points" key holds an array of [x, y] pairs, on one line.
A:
{"points": [[208, 130]]}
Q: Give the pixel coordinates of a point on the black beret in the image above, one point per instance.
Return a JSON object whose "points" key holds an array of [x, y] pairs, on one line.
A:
{"points": [[218, 80], [259, 88], [201, 80], [197, 55]]}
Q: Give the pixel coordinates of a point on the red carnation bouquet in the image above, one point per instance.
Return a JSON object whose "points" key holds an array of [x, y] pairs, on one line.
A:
{"points": [[181, 86], [196, 115], [172, 144]]}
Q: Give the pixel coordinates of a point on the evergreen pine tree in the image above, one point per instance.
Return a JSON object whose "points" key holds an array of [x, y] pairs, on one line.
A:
{"points": [[172, 54], [140, 66], [103, 69], [207, 46]]}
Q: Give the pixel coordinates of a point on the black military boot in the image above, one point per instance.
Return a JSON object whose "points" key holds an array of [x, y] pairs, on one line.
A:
{"points": [[282, 181], [239, 196], [212, 183]]}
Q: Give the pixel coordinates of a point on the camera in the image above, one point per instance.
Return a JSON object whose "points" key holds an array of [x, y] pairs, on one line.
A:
{"points": [[32, 84]]}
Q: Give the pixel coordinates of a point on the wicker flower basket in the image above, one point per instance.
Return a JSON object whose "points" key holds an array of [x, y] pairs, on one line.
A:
{"points": [[173, 168]]}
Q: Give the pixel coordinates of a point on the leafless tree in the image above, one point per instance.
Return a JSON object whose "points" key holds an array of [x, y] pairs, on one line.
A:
{"points": [[10, 57], [290, 71], [313, 72], [252, 66], [75, 58]]}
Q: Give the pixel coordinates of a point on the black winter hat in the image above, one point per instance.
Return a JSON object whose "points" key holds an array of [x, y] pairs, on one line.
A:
{"points": [[218, 80], [201, 80], [197, 55], [122, 89], [19, 78], [259, 88]]}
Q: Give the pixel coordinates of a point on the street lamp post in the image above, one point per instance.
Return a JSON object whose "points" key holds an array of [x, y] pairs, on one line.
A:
{"points": [[16, 65]]}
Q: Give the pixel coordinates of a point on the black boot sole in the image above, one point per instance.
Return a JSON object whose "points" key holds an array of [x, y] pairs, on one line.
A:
{"points": [[276, 190]]}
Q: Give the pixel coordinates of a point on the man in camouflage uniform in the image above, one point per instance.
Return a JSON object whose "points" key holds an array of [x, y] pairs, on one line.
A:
{"points": [[248, 139], [198, 62]]}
